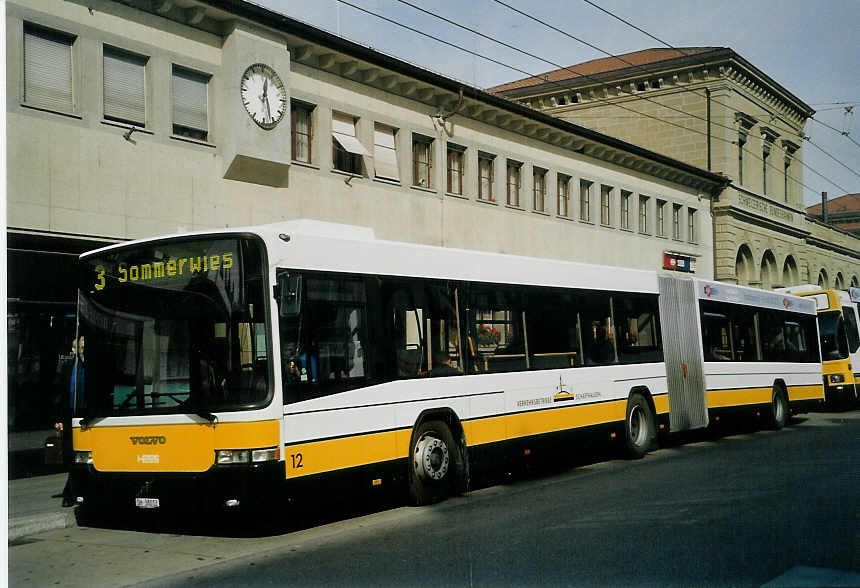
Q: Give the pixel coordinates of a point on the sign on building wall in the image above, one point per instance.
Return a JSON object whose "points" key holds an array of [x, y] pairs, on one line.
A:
{"points": [[679, 263]]}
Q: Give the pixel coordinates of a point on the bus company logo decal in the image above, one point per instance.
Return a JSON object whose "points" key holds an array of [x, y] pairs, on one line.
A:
{"points": [[708, 290], [149, 440], [785, 302], [148, 458], [562, 393]]}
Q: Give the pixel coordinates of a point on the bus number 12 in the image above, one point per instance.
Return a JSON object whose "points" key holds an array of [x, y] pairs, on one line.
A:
{"points": [[297, 460]]}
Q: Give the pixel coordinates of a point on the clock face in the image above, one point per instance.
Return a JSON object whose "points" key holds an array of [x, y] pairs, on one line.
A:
{"points": [[263, 95]]}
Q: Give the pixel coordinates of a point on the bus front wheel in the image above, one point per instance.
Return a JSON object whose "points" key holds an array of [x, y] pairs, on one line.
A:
{"points": [[778, 409], [435, 463], [639, 429]]}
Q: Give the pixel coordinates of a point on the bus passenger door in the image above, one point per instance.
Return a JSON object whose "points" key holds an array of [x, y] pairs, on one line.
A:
{"points": [[682, 350]]}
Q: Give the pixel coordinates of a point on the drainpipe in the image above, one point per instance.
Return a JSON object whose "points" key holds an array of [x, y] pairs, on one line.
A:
{"points": [[708, 117]]}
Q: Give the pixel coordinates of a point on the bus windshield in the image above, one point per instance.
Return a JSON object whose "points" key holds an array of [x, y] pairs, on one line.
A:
{"points": [[174, 327], [834, 339]]}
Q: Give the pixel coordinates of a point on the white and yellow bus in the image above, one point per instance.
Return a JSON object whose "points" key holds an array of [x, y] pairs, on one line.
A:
{"points": [[224, 369], [839, 327]]}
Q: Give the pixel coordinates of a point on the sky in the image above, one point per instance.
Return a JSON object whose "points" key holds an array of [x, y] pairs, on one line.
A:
{"points": [[810, 48]]}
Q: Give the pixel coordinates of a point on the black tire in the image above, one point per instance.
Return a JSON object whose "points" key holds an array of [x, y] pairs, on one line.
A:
{"points": [[639, 429], [779, 409], [437, 464]]}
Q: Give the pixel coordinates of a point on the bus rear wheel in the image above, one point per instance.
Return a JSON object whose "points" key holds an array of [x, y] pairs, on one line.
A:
{"points": [[639, 429], [778, 409], [435, 463]]}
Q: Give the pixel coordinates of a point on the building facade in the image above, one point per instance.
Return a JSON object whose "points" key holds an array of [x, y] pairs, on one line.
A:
{"points": [[141, 118], [710, 107]]}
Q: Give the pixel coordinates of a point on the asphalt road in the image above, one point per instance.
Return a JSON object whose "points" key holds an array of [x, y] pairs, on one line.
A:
{"points": [[738, 509]]}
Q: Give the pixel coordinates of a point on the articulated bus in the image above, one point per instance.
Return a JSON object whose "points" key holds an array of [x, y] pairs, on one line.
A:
{"points": [[229, 368], [839, 326]]}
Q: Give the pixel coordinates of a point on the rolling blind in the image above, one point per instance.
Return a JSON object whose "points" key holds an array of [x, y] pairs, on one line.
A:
{"points": [[190, 99], [385, 154], [48, 69], [124, 86]]}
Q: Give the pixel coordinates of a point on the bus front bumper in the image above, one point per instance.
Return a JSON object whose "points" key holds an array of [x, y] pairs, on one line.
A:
{"points": [[239, 487]]}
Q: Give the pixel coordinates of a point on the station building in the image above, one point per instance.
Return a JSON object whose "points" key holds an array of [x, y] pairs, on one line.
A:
{"points": [[147, 117], [710, 107]]}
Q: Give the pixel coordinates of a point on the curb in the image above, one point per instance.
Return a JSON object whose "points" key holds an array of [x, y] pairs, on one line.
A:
{"points": [[23, 526]]}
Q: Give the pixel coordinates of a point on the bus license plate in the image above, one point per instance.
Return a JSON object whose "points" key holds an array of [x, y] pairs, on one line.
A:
{"points": [[146, 502]]}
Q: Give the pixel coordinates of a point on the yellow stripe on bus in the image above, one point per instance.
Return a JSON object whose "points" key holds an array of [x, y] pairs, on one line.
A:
{"points": [[171, 448], [740, 397], [815, 391], [322, 456]]}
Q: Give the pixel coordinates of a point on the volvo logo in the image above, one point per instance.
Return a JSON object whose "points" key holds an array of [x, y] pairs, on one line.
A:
{"points": [[151, 440]]}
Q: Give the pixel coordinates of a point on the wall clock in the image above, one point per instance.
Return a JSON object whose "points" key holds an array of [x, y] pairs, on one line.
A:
{"points": [[263, 95]]}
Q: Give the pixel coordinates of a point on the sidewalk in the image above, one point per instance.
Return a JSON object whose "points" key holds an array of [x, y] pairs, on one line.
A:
{"points": [[35, 506]]}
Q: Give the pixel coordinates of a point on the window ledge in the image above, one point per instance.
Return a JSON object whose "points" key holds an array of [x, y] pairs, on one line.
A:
{"points": [[626, 230], [565, 218], [662, 237], [606, 226], [126, 126], [513, 207], [541, 212], [586, 222], [388, 181], [347, 174], [67, 113], [453, 195], [304, 164], [485, 201], [645, 233], [192, 140], [423, 189]]}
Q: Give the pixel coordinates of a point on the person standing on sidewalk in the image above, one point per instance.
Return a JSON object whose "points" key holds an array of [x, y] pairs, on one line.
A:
{"points": [[74, 401]]}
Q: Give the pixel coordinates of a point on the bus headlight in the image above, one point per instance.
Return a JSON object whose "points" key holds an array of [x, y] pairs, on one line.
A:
{"points": [[224, 456], [267, 454], [837, 378], [83, 457]]}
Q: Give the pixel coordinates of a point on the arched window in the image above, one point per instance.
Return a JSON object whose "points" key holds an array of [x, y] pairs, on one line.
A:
{"points": [[744, 266], [768, 270], [789, 272], [822, 279], [839, 282]]}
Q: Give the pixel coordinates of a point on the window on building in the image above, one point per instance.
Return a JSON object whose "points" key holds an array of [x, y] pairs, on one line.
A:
{"points": [[456, 166], [676, 221], [485, 179], [514, 182], [643, 214], [385, 152], [625, 209], [422, 161], [347, 150], [190, 103], [661, 216], [585, 200], [124, 86], [563, 195], [742, 140], [605, 205], [48, 69], [765, 154], [301, 131], [539, 188], [692, 233]]}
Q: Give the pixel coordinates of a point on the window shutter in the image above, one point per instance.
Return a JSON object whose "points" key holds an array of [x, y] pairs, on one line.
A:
{"points": [[385, 153], [48, 70], [343, 131], [190, 99], [124, 86]]}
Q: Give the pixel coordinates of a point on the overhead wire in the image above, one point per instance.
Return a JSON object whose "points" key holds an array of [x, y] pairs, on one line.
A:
{"points": [[661, 41], [608, 102], [754, 155]]}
